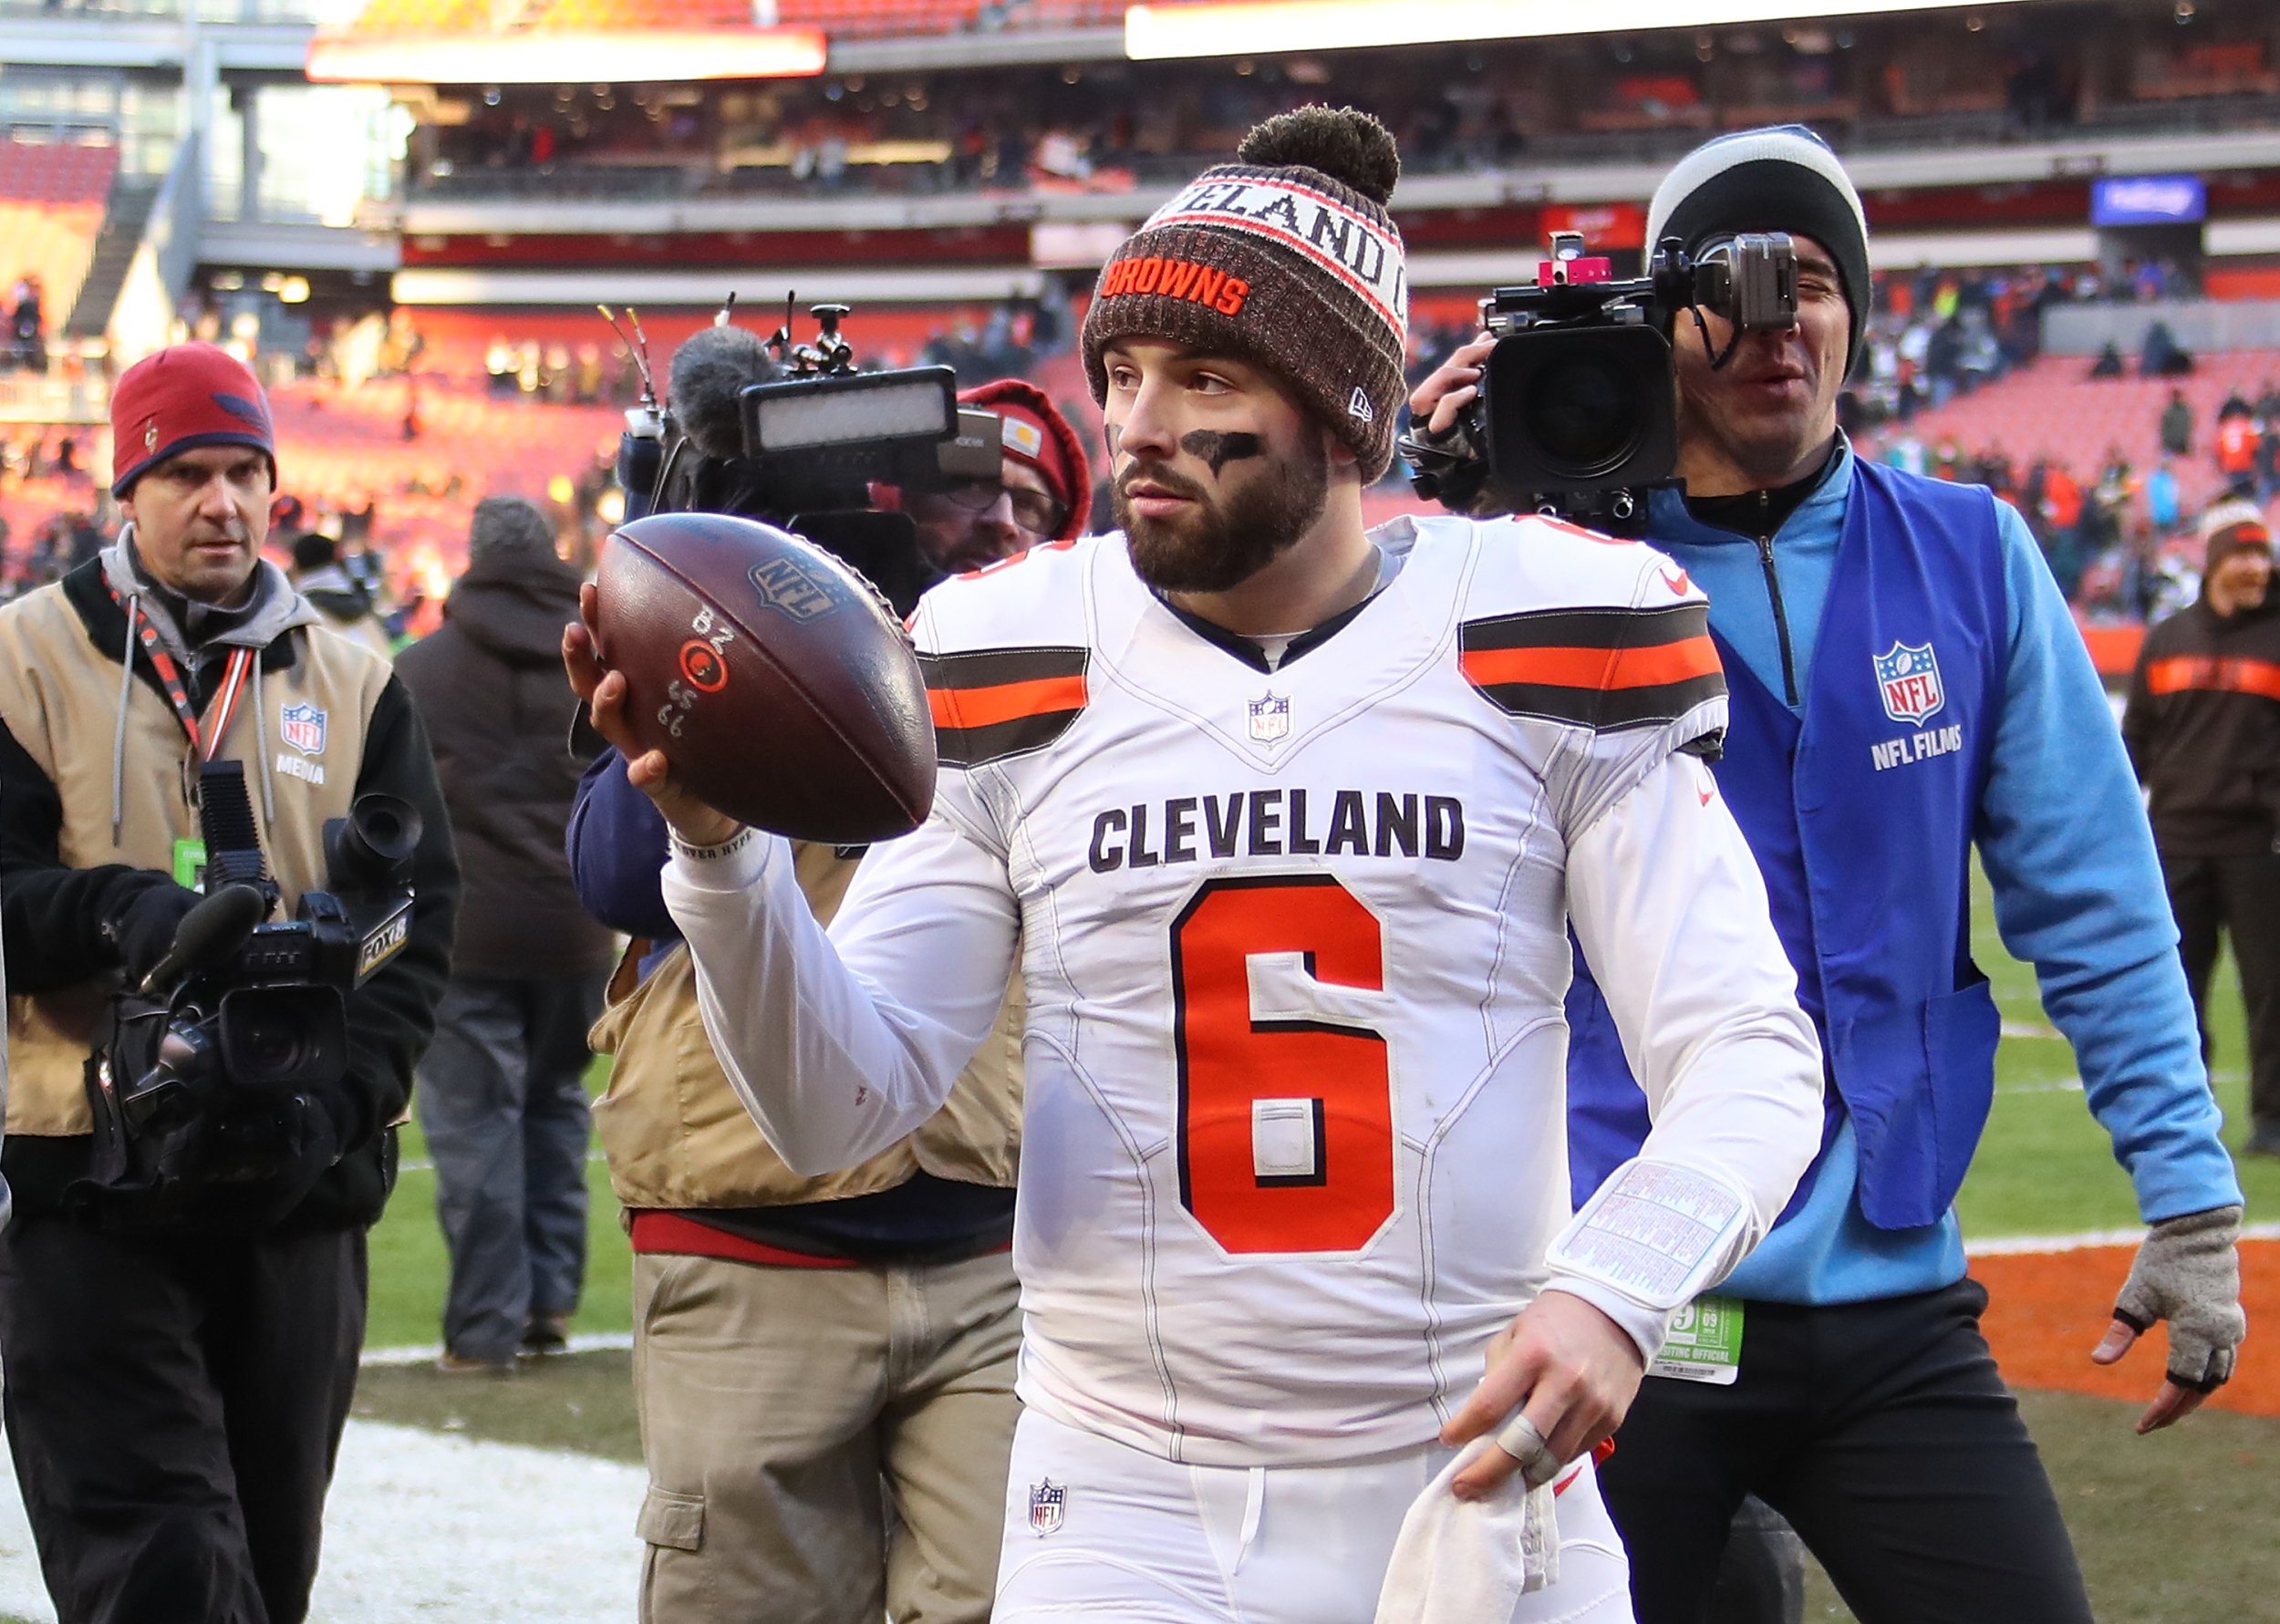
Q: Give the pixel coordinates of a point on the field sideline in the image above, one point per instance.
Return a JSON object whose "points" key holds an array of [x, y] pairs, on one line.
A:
{"points": [[2174, 1529]]}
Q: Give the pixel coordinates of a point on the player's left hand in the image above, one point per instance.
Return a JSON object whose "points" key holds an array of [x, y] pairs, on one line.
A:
{"points": [[1571, 1373], [2188, 1272]]}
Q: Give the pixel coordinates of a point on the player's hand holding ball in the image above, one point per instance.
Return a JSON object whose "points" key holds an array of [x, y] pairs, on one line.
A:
{"points": [[748, 677]]}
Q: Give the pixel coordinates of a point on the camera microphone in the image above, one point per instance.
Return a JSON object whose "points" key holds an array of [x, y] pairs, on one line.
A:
{"points": [[710, 371], [209, 933]]}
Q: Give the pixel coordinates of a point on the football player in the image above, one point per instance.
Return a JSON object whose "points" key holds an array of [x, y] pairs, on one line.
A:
{"points": [[1289, 821]]}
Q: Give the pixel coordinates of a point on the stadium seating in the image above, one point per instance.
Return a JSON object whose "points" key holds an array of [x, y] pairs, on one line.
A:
{"points": [[2054, 409], [51, 209]]}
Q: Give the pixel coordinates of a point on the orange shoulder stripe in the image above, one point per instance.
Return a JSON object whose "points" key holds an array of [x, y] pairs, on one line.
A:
{"points": [[1650, 666], [1005, 701]]}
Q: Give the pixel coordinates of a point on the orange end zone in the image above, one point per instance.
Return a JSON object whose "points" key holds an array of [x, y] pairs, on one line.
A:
{"points": [[2047, 1309]]}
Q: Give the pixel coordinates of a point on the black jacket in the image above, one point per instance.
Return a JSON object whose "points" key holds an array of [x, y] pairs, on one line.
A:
{"points": [[490, 683], [2203, 730], [51, 915]]}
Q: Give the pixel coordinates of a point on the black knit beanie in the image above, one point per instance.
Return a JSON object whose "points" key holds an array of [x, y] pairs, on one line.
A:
{"points": [[1782, 177], [1286, 257]]}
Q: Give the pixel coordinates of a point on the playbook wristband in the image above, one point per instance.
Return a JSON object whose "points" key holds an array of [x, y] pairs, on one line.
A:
{"points": [[1650, 1240]]}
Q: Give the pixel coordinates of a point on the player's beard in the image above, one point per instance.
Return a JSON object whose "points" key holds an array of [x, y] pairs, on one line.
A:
{"points": [[1220, 544]]}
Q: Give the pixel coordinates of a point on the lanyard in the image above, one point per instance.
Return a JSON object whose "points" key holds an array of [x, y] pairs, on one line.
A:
{"points": [[206, 740]]}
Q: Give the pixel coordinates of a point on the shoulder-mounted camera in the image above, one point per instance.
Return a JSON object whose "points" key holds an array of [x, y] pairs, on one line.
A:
{"points": [[795, 434], [1577, 412]]}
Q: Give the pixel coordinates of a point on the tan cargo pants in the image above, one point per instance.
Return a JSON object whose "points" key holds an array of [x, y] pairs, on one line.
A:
{"points": [[825, 1446]]}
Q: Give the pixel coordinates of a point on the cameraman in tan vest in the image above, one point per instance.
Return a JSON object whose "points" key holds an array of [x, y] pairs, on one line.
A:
{"points": [[824, 1366], [181, 1346]]}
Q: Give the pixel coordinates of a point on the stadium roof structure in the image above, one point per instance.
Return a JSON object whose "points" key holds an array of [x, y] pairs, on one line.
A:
{"points": [[553, 42]]}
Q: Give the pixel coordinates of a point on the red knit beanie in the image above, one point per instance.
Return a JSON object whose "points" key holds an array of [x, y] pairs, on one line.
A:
{"points": [[1037, 434], [180, 398]]}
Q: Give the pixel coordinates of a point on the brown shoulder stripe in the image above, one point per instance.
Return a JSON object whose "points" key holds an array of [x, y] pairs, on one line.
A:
{"points": [[1602, 669], [991, 703]]}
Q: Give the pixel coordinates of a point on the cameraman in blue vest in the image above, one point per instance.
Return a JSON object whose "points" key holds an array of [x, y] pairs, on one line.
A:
{"points": [[1906, 683]]}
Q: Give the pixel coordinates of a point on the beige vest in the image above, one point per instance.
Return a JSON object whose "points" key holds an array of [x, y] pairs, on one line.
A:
{"points": [[60, 698], [677, 1136]]}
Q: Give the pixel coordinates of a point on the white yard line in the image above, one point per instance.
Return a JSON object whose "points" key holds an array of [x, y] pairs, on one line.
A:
{"points": [[423, 1525], [600, 1341], [2008, 1245]]}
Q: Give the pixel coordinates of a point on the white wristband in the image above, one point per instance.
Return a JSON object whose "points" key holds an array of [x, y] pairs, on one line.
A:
{"points": [[715, 854], [1657, 1234]]}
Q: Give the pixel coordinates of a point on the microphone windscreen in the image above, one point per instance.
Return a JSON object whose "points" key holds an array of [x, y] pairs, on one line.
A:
{"points": [[213, 929], [210, 932], [710, 369]]}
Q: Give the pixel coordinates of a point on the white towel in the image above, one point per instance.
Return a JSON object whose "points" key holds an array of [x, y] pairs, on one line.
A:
{"points": [[1471, 1561]]}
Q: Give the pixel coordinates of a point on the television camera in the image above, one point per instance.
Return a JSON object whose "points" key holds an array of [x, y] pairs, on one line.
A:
{"points": [[1577, 411]]}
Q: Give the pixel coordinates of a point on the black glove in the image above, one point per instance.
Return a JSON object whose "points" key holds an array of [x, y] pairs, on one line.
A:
{"points": [[143, 928]]}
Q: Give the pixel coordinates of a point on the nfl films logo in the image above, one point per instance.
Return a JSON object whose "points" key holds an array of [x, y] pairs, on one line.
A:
{"points": [[1048, 1501], [1270, 718], [303, 727], [1908, 676]]}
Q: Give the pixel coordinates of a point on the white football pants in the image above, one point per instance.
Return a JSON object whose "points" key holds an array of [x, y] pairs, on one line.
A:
{"points": [[1131, 1538]]}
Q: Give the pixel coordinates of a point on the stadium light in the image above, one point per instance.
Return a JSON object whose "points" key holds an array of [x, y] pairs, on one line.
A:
{"points": [[1277, 27], [645, 56]]}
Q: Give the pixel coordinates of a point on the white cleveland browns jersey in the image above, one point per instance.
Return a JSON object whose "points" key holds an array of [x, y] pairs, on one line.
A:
{"points": [[1295, 944]]}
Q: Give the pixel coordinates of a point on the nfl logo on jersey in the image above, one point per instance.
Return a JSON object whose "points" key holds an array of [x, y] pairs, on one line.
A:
{"points": [[303, 727], [1271, 717], [1909, 678], [1047, 1500]]}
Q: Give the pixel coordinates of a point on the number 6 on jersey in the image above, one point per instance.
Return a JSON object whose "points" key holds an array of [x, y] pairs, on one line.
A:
{"points": [[1286, 1105]]}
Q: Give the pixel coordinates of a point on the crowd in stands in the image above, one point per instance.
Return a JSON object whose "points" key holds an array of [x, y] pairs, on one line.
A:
{"points": [[2118, 531], [397, 424], [1454, 109], [1936, 334]]}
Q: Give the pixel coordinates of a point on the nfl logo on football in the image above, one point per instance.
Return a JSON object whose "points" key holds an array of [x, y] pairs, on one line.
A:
{"points": [[1047, 1501], [303, 727], [1909, 678], [1270, 718]]}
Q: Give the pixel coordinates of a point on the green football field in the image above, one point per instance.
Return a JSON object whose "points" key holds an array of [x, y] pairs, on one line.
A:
{"points": [[2175, 1529]]}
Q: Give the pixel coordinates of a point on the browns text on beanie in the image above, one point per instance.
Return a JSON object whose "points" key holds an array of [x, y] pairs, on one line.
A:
{"points": [[1287, 257], [1037, 434], [178, 399], [1782, 177]]}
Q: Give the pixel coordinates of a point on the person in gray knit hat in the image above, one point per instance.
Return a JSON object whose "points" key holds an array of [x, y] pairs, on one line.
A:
{"points": [[1907, 681], [1282, 821]]}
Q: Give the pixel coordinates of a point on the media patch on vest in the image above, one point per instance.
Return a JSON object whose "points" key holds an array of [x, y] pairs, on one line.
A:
{"points": [[1908, 680], [303, 727]]}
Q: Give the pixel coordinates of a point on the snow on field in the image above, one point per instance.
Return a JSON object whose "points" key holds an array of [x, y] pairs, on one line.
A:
{"points": [[424, 1525]]}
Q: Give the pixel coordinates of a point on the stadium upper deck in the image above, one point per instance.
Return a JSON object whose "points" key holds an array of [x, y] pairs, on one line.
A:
{"points": [[970, 145]]}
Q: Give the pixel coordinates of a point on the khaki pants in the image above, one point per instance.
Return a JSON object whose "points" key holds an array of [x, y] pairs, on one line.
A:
{"points": [[785, 1410]]}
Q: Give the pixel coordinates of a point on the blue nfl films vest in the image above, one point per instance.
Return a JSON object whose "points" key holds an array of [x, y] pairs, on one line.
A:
{"points": [[1861, 819]]}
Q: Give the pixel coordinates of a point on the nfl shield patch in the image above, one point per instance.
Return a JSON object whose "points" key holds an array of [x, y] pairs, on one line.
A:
{"points": [[1047, 1501], [1271, 717], [1908, 676], [303, 727]]}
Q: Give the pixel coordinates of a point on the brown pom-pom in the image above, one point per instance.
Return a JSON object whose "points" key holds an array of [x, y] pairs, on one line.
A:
{"points": [[1345, 143]]}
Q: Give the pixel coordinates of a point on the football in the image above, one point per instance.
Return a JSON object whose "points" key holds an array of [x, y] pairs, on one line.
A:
{"points": [[779, 685]]}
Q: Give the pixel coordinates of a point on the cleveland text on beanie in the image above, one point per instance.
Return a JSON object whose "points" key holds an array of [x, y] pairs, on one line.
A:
{"points": [[1287, 257], [1783, 177]]}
